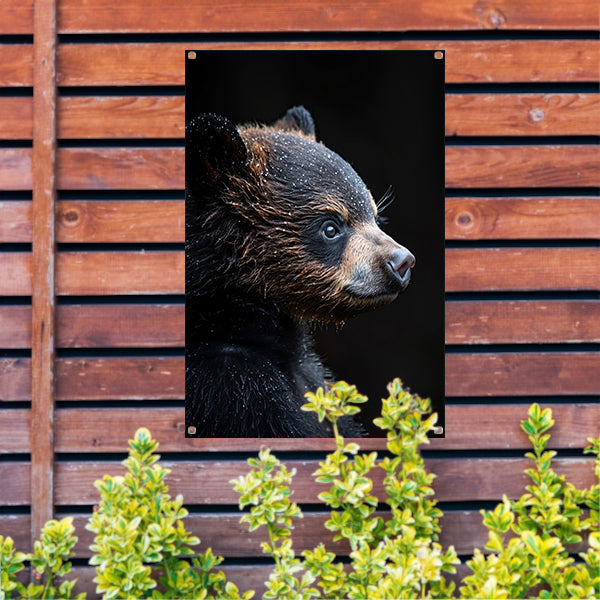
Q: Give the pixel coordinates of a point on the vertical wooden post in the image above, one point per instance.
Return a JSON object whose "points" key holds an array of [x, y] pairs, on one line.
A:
{"points": [[43, 301]]}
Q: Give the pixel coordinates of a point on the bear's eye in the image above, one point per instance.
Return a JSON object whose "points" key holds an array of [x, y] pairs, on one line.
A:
{"points": [[330, 230]]}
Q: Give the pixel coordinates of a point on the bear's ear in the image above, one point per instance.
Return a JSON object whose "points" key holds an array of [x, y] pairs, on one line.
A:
{"points": [[214, 150], [297, 119]]}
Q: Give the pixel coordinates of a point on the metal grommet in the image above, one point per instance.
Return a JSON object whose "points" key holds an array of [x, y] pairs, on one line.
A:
{"points": [[192, 55], [438, 54], [191, 430]]}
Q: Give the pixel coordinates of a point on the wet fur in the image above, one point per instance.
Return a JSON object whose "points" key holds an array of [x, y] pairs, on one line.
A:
{"points": [[260, 273]]}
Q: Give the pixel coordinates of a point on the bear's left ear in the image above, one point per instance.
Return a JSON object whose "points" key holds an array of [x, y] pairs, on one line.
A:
{"points": [[297, 119]]}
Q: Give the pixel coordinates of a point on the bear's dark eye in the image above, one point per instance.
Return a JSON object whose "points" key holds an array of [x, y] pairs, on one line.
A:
{"points": [[330, 230]]}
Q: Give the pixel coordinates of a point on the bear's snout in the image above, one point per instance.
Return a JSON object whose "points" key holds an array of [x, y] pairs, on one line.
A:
{"points": [[400, 264]]}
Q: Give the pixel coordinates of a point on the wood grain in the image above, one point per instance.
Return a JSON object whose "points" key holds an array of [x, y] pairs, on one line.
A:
{"points": [[16, 64], [16, 16], [90, 64], [15, 326], [162, 378], [133, 16], [43, 265], [15, 221], [467, 427], [522, 166], [121, 221], [161, 272], [121, 117], [467, 218], [15, 169], [523, 322], [522, 269], [15, 436], [107, 273], [17, 118], [516, 374], [208, 482], [522, 114], [223, 532], [522, 218]]}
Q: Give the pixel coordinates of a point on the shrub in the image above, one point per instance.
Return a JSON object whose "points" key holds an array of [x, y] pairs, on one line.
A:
{"points": [[400, 557]]}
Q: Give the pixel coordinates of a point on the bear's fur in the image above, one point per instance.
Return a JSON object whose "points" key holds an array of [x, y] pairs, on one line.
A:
{"points": [[281, 233]]}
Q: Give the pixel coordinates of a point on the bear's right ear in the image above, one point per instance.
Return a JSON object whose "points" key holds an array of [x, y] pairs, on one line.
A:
{"points": [[214, 150], [297, 119]]}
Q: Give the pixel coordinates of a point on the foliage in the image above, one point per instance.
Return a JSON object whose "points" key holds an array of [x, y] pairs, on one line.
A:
{"points": [[141, 548], [49, 560], [399, 557]]}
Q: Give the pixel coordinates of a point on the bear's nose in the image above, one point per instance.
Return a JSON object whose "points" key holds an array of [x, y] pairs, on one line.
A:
{"points": [[401, 261]]}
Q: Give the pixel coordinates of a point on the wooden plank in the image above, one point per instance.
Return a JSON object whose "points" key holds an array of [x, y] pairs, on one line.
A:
{"points": [[15, 169], [16, 270], [132, 325], [121, 117], [518, 374], [16, 483], [15, 379], [15, 326], [106, 273], [43, 261], [162, 325], [523, 322], [479, 374], [162, 272], [466, 167], [466, 115], [522, 114], [467, 427], [208, 482], [16, 17], [17, 118], [466, 61], [120, 378], [15, 221], [16, 65], [121, 221], [15, 434], [132, 16], [120, 168], [522, 269], [522, 166], [522, 218]]}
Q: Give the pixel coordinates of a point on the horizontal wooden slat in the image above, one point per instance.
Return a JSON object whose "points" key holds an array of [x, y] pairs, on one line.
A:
{"points": [[158, 272], [522, 114], [480, 374], [229, 538], [15, 169], [15, 221], [522, 166], [163, 220], [121, 117], [133, 16], [163, 168], [16, 16], [523, 322], [162, 325], [468, 427], [522, 218], [517, 374], [466, 61], [522, 269], [121, 221], [16, 121], [16, 65], [208, 482]]}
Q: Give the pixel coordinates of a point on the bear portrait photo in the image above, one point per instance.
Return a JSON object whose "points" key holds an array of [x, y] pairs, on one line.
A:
{"points": [[285, 244]]}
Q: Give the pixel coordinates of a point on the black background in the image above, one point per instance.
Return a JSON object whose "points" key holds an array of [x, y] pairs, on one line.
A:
{"points": [[383, 112]]}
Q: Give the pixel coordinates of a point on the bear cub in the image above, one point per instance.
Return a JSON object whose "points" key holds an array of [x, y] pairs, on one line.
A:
{"points": [[281, 235]]}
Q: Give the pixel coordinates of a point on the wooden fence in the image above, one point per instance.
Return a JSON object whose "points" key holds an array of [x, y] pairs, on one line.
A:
{"points": [[91, 268]]}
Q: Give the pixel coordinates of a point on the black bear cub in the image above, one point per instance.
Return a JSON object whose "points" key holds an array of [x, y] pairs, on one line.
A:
{"points": [[281, 234]]}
